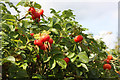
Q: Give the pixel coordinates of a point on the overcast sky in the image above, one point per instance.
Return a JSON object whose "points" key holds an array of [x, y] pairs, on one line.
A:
{"points": [[99, 16]]}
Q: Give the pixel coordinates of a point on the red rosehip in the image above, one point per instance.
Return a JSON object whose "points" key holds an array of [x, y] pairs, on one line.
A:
{"points": [[16, 29], [109, 57], [35, 42], [78, 38], [38, 42], [32, 10], [41, 11], [108, 61], [66, 59], [38, 57], [45, 38], [36, 16], [31, 34], [43, 47], [107, 66], [42, 38], [50, 41]]}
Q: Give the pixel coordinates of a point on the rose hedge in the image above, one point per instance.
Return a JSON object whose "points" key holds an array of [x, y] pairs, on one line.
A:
{"points": [[63, 59]]}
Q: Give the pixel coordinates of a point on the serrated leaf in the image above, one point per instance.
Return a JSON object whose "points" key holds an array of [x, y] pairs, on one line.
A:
{"points": [[74, 58], [16, 36], [57, 26], [24, 65], [8, 16], [84, 65], [11, 58], [70, 55], [61, 63], [20, 52], [30, 48], [22, 3], [48, 58], [22, 47], [52, 10], [36, 5], [83, 57], [52, 64], [56, 56], [37, 76], [54, 30], [79, 65]]}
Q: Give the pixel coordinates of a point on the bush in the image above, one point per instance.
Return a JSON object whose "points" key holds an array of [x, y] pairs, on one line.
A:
{"points": [[40, 47]]}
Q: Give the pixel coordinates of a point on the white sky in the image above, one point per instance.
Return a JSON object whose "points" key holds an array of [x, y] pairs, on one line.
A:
{"points": [[96, 15]]}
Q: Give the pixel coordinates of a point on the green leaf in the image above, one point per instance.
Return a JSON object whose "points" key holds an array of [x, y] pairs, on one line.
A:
{"points": [[52, 64], [61, 63], [56, 56], [11, 58], [30, 48], [67, 13], [57, 26], [24, 65], [70, 55], [36, 5], [84, 65], [8, 16], [16, 72], [37, 76], [5, 26], [79, 65], [22, 47], [54, 30], [52, 10], [74, 58], [83, 57], [16, 36], [20, 52], [48, 58], [21, 3]]}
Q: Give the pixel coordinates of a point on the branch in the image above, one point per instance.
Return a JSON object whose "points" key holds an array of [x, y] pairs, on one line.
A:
{"points": [[22, 17]]}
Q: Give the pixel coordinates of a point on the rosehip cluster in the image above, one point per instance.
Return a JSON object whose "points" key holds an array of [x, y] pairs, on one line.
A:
{"points": [[36, 14], [43, 39], [107, 66], [78, 38]]}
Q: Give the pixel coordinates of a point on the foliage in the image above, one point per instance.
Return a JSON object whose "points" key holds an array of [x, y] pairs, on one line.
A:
{"points": [[19, 52]]}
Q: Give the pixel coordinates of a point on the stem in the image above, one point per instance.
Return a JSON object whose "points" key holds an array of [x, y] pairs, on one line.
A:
{"points": [[23, 17], [59, 40]]}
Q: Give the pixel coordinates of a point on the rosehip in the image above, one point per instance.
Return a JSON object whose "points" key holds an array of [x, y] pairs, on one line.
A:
{"points": [[108, 61], [32, 10], [109, 57], [50, 41], [38, 57], [47, 37], [43, 47], [31, 34], [107, 66], [35, 42], [78, 38], [41, 11], [66, 59], [38, 42]]}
